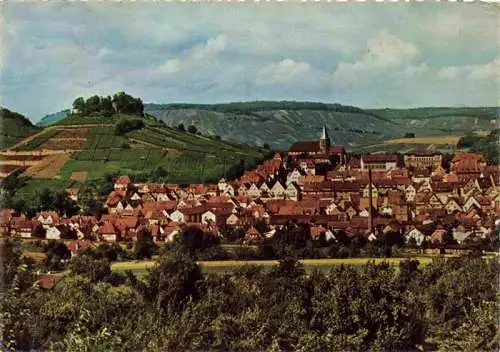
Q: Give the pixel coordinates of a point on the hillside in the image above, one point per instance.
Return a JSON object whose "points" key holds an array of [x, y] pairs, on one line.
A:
{"points": [[443, 119], [14, 127], [50, 119], [280, 124], [82, 148], [277, 123]]}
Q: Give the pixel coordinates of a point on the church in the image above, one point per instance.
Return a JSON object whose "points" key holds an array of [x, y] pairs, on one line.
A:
{"points": [[319, 148]]}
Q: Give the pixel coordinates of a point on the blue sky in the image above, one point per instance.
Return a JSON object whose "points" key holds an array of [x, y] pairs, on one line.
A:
{"points": [[367, 55]]}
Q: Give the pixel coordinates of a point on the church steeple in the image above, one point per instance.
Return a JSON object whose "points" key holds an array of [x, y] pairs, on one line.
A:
{"points": [[324, 133], [324, 142]]}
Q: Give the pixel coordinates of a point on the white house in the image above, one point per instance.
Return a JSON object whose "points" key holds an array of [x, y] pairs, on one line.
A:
{"points": [[242, 190], [460, 236], [293, 177], [366, 191], [277, 191], [364, 213], [329, 235], [208, 217], [135, 196], [162, 197], [177, 216], [452, 206], [470, 203], [292, 191], [229, 190], [53, 233], [222, 184], [410, 193], [232, 220], [386, 210], [415, 234], [264, 188], [47, 220], [254, 191]]}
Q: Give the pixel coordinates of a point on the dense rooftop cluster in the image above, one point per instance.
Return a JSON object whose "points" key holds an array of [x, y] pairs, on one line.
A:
{"points": [[327, 192]]}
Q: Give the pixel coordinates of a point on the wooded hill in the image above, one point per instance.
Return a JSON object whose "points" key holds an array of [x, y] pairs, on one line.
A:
{"points": [[14, 127]]}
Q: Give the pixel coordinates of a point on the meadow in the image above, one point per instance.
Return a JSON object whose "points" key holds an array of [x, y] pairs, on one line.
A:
{"points": [[425, 140], [34, 186], [222, 266]]}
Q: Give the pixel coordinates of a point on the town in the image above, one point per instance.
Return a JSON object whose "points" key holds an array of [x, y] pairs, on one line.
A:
{"points": [[416, 200]]}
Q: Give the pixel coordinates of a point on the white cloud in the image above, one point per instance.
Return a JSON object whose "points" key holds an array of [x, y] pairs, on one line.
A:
{"points": [[385, 52], [282, 72], [195, 57], [488, 71], [211, 47], [170, 66], [448, 72], [368, 55]]}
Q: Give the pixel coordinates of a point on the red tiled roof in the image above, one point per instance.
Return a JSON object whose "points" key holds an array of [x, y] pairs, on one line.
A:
{"points": [[317, 230], [305, 147], [379, 158], [441, 187], [107, 228], [252, 232], [219, 199], [48, 281], [123, 180]]}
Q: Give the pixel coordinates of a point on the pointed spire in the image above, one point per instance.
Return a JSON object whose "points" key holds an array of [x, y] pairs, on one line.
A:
{"points": [[324, 133]]}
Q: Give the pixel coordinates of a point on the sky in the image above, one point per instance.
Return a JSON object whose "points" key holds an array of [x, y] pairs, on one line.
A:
{"points": [[371, 55]]}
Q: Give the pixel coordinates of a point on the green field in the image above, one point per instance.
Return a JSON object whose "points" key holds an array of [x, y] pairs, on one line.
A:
{"points": [[33, 186], [139, 267], [194, 158]]}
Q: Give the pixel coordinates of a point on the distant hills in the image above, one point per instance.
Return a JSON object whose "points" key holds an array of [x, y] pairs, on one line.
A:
{"points": [[280, 123], [50, 119]]}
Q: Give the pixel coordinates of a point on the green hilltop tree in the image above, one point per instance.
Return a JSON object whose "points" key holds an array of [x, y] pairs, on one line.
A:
{"points": [[79, 105]]}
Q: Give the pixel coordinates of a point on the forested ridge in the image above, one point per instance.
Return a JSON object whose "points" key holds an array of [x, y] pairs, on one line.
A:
{"points": [[447, 305]]}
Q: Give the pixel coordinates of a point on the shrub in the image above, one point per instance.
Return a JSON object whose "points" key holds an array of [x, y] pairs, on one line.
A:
{"points": [[128, 125]]}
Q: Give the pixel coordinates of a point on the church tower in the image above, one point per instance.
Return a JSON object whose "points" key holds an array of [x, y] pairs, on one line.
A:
{"points": [[324, 142]]}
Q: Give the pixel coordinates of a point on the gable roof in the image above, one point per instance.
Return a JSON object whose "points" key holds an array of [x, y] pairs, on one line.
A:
{"points": [[122, 180], [305, 147], [379, 158]]}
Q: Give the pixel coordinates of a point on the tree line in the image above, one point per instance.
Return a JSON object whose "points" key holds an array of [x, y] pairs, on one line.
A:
{"points": [[121, 102], [449, 304]]}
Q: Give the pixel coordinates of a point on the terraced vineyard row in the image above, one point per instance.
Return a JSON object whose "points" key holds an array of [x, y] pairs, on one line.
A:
{"points": [[104, 138], [38, 141]]}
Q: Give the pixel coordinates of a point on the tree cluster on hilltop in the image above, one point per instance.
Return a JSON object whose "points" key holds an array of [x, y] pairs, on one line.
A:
{"points": [[448, 305], [120, 103]]}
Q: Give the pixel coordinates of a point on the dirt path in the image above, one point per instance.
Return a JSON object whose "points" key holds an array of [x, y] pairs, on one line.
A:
{"points": [[154, 145]]}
